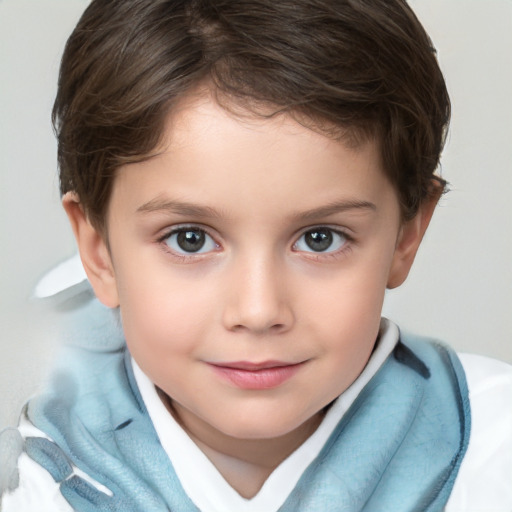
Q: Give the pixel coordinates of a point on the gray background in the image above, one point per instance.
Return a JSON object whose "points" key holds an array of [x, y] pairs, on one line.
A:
{"points": [[461, 287]]}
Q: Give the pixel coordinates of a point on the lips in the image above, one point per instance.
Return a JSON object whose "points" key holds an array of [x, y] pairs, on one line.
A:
{"points": [[256, 376]]}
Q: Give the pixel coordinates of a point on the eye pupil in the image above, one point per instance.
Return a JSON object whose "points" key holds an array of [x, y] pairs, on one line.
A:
{"points": [[319, 240], [191, 240]]}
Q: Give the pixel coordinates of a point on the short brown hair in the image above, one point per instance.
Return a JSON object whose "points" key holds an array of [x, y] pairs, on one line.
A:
{"points": [[366, 67]]}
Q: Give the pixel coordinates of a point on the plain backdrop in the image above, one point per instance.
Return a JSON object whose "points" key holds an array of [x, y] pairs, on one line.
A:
{"points": [[460, 289]]}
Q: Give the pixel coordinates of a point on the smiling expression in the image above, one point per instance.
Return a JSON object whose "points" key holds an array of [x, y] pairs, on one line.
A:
{"points": [[249, 260]]}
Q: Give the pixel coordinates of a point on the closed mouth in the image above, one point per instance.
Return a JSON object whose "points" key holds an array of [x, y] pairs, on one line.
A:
{"points": [[254, 367], [256, 376]]}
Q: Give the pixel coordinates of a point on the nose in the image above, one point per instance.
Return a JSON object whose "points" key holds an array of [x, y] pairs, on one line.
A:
{"points": [[258, 300]]}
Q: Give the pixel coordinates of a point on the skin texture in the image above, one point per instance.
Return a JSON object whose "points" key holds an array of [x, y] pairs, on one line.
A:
{"points": [[255, 292]]}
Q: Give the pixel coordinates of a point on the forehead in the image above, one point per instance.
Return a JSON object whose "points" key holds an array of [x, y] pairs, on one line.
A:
{"points": [[204, 105], [234, 159]]}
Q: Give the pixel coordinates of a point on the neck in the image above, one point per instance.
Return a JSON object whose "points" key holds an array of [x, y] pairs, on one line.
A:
{"points": [[244, 463]]}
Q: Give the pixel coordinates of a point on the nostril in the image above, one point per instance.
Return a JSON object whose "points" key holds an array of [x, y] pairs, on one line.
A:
{"points": [[272, 328]]}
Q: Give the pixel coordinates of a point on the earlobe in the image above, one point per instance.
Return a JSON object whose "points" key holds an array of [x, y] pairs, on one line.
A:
{"points": [[94, 252], [409, 240]]}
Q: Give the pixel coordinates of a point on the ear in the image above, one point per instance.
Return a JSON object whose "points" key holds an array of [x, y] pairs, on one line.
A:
{"points": [[94, 252], [409, 239]]}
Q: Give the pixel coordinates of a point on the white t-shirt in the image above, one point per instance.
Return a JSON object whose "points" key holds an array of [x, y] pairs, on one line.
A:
{"points": [[484, 482]]}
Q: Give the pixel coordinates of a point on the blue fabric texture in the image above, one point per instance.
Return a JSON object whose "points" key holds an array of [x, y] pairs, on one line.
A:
{"points": [[399, 447]]}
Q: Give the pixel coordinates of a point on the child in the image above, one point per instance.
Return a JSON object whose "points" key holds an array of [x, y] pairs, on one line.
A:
{"points": [[244, 180]]}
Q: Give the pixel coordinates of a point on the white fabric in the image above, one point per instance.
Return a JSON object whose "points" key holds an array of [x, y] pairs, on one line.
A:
{"points": [[483, 483], [67, 277]]}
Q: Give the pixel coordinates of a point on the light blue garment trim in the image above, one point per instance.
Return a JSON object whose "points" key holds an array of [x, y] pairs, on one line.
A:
{"points": [[413, 421], [398, 447], [98, 423]]}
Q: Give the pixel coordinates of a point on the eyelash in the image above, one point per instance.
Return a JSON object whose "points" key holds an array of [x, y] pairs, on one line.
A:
{"points": [[312, 255], [327, 255], [183, 257]]}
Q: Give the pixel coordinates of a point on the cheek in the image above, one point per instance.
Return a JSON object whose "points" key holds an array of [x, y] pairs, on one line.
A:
{"points": [[351, 322], [347, 309], [353, 294], [350, 329], [164, 317]]}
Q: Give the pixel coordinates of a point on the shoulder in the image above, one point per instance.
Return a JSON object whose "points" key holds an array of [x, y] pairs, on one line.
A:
{"points": [[485, 372], [26, 486], [36, 490], [35, 472], [483, 482]]}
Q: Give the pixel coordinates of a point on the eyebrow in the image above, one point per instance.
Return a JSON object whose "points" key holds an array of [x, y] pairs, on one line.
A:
{"points": [[193, 210], [335, 207], [177, 208]]}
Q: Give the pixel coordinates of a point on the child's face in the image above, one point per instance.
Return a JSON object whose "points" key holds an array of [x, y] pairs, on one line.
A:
{"points": [[250, 261]]}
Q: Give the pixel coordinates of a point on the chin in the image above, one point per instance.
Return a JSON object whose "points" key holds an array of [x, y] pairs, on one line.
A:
{"points": [[261, 428]]}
